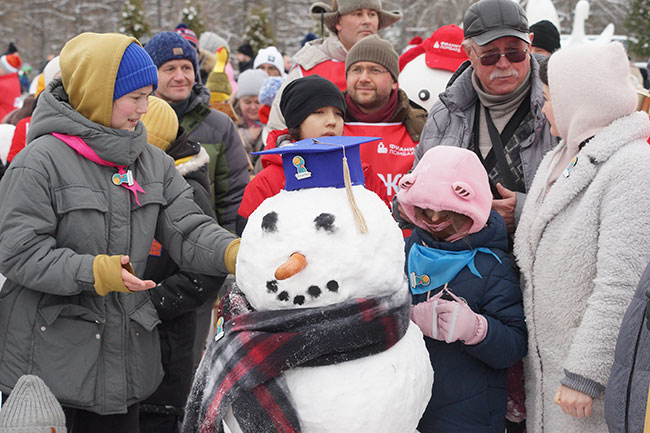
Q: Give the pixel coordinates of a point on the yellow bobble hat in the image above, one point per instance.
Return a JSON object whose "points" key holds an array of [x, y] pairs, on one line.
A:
{"points": [[161, 123]]}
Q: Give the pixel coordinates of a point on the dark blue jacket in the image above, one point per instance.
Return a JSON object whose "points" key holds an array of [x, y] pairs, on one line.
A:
{"points": [[470, 390]]}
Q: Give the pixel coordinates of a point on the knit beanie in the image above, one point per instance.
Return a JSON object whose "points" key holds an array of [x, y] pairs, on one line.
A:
{"points": [[269, 89], [212, 42], [32, 408], [250, 82], [187, 33], [246, 49], [11, 62], [448, 178], [546, 36], [135, 72], [308, 37], [376, 50], [305, 95], [166, 46], [272, 56], [161, 123]]}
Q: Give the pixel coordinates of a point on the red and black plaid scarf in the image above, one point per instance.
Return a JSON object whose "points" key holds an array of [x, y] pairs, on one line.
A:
{"points": [[243, 368]]}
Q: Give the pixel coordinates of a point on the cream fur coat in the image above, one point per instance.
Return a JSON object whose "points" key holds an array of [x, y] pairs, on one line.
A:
{"points": [[582, 250]]}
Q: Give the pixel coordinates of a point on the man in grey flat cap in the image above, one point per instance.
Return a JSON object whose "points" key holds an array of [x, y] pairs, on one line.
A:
{"points": [[493, 105]]}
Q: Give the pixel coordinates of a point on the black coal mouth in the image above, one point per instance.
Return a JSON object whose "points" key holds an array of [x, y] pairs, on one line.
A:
{"points": [[312, 292]]}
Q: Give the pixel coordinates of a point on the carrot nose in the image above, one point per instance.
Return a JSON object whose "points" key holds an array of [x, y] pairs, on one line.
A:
{"points": [[291, 267]]}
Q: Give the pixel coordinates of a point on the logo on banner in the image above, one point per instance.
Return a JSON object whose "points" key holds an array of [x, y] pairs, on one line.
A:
{"points": [[392, 183]]}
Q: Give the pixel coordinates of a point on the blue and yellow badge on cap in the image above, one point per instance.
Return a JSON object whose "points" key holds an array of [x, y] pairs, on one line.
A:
{"points": [[318, 162]]}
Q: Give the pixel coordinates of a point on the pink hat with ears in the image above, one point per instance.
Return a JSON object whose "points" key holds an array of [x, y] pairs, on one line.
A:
{"points": [[448, 178]]}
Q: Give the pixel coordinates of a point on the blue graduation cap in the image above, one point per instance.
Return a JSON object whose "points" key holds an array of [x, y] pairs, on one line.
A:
{"points": [[319, 162]]}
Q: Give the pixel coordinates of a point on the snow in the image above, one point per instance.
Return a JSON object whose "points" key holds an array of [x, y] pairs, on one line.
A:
{"points": [[383, 393], [369, 264]]}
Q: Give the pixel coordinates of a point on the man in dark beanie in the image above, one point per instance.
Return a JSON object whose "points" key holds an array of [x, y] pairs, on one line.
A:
{"points": [[546, 38], [377, 107], [348, 21]]}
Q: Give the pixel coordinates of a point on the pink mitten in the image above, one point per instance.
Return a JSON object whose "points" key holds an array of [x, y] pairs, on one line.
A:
{"points": [[456, 321], [424, 315]]}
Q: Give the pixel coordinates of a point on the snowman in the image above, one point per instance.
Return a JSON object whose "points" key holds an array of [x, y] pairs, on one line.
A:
{"points": [[324, 343], [426, 69]]}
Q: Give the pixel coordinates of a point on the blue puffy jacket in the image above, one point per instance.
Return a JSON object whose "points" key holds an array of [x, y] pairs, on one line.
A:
{"points": [[470, 385]]}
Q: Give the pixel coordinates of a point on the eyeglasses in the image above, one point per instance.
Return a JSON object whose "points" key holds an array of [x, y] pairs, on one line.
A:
{"points": [[514, 56], [372, 70]]}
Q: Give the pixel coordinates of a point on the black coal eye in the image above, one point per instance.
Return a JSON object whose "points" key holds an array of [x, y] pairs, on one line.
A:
{"points": [[424, 95], [325, 221], [270, 222], [272, 286]]}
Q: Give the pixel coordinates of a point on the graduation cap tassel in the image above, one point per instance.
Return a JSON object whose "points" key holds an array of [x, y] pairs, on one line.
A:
{"points": [[359, 220]]}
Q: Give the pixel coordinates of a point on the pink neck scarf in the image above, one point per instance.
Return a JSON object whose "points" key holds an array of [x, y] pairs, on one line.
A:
{"points": [[122, 177]]}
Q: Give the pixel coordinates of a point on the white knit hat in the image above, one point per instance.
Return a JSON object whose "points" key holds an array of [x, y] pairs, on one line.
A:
{"points": [[272, 56], [32, 408], [250, 82]]}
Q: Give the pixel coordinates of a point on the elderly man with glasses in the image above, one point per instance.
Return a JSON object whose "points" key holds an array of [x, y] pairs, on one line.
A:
{"points": [[493, 104]]}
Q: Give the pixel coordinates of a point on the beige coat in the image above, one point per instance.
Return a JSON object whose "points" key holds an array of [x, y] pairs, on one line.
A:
{"points": [[582, 250]]}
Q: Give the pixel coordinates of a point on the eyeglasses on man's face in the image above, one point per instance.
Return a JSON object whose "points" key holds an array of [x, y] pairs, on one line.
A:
{"points": [[513, 56], [371, 70]]}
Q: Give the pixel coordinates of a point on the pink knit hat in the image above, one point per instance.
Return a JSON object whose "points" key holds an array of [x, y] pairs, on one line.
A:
{"points": [[448, 178]]}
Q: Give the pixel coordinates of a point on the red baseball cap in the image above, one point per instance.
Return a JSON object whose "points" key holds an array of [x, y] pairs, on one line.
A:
{"points": [[444, 50]]}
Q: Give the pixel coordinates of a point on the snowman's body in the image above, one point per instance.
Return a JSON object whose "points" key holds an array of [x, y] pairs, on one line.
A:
{"points": [[387, 392]]}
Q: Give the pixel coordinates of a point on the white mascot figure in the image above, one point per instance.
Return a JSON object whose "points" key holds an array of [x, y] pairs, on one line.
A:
{"points": [[317, 336], [426, 69]]}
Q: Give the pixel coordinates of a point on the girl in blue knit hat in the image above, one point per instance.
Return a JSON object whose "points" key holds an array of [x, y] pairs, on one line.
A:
{"points": [[81, 205]]}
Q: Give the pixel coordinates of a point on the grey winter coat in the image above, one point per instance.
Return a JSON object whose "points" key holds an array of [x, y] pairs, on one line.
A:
{"points": [[59, 210], [581, 250], [627, 390], [451, 123]]}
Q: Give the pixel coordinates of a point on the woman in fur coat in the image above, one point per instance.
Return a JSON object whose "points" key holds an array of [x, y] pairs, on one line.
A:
{"points": [[583, 239]]}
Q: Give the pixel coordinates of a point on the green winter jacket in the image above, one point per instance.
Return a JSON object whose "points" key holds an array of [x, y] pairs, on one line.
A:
{"points": [[228, 164]]}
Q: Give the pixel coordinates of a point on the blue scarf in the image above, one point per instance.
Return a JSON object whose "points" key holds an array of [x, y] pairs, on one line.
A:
{"points": [[430, 268]]}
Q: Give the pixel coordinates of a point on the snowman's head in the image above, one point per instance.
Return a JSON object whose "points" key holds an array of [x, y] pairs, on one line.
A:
{"points": [[341, 262]]}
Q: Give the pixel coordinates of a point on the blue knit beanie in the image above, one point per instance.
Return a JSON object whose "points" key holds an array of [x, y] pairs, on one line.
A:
{"points": [[136, 70], [168, 46]]}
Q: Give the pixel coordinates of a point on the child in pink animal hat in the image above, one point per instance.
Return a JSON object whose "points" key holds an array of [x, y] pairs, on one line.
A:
{"points": [[466, 295]]}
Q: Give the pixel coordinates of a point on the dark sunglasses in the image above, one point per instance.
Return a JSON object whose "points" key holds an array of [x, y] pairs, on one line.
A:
{"points": [[515, 56]]}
